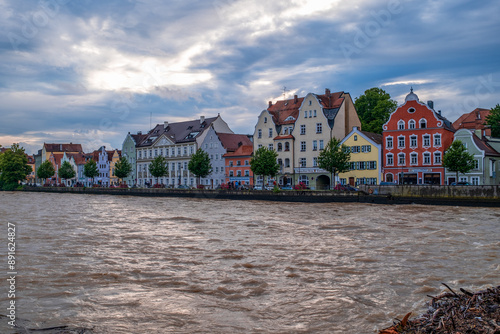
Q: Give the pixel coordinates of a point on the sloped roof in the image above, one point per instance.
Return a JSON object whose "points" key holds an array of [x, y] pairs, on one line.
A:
{"points": [[282, 110], [63, 147], [476, 119], [232, 141], [78, 157], [483, 145], [138, 138], [242, 151], [180, 132], [377, 138]]}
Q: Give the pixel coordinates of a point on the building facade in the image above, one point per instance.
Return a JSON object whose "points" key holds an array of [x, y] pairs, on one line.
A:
{"points": [[217, 145], [299, 128], [366, 154], [487, 160], [130, 153], [238, 171], [415, 138], [177, 142]]}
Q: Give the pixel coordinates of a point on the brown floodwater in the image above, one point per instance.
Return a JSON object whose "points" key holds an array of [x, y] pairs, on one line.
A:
{"points": [[169, 265]]}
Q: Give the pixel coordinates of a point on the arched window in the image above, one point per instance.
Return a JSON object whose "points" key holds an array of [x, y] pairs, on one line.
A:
{"points": [[401, 125], [423, 123], [287, 162], [280, 162], [389, 178], [287, 146], [280, 147], [411, 124]]}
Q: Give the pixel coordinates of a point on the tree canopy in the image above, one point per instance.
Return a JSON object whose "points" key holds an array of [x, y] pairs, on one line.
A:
{"points": [[457, 159], [45, 170], [335, 158], [123, 168], [200, 164], [14, 165], [264, 162], [66, 171], [158, 167], [493, 120], [374, 108], [90, 169]]}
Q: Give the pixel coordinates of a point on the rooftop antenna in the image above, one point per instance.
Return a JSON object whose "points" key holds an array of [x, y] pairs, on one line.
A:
{"points": [[284, 92]]}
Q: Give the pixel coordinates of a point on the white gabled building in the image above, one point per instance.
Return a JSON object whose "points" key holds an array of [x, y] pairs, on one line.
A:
{"points": [[177, 142]]}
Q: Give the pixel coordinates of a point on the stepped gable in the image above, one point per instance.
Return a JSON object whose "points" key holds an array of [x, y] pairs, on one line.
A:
{"points": [[232, 141]]}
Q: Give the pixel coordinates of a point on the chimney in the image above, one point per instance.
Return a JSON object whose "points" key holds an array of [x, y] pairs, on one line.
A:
{"points": [[202, 119], [295, 99], [430, 104], [60, 147], [165, 125], [439, 112], [270, 104], [327, 92], [139, 132]]}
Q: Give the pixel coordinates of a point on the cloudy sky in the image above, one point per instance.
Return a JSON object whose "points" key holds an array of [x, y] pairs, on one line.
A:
{"points": [[88, 71]]}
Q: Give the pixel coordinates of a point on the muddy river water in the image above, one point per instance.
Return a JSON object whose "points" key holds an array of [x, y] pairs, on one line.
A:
{"points": [[169, 265]]}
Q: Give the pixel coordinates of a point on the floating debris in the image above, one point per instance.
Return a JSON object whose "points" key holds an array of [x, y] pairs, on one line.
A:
{"points": [[457, 313]]}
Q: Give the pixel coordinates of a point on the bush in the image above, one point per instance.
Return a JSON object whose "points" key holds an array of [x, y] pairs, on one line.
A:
{"points": [[157, 185], [96, 186], [10, 186], [123, 185], [200, 186]]}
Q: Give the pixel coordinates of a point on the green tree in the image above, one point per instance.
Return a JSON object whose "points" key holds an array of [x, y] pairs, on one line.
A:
{"points": [[14, 166], [90, 170], [200, 164], [66, 171], [493, 120], [457, 159], [123, 168], [335, 158], [45, 171], [158, 167], [374, 109], [264, 162]]}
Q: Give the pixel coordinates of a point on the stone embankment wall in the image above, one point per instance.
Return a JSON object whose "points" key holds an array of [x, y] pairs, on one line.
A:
{"points": [[480, 196], [458, 192]]}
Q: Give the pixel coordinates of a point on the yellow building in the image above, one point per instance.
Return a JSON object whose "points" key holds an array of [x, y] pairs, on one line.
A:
{"points": [[113, 157], [366, 157]]}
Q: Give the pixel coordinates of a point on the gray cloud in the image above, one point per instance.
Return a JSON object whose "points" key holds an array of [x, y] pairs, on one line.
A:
{"points": [[97, 70]]}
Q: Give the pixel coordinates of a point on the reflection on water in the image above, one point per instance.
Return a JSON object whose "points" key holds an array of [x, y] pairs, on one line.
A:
{"points": [[159, 265]]}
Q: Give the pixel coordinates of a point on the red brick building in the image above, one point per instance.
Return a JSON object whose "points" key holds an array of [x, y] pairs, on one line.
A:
{"points": [[238, 166], [414, 141]]}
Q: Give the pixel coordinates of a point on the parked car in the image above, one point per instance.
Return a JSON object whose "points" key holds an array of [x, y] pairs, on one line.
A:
{"points": [[258, 187], [287, 187], [269, 187], [461, 183], [182, 186]]}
